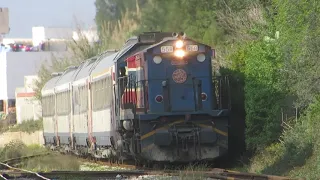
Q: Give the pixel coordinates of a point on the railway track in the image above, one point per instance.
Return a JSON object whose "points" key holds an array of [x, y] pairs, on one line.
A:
{"points": [[9, 172], [133, 174]]}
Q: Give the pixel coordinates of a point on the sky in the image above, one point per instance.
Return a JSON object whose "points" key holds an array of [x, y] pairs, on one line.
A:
{"points": [[24, 14]]}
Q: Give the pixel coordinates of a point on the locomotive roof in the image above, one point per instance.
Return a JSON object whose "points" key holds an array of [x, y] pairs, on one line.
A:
{"points": [[144, 41], [169, 39]]}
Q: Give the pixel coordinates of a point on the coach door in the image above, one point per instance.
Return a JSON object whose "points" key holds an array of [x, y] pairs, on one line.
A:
{"points": [[181, 90]]}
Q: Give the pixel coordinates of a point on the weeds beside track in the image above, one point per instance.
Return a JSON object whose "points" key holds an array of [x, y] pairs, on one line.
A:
{"points": [[13, 172]]}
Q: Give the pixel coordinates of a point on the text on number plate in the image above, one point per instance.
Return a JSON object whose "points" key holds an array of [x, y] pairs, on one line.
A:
{"points": [[166, 49], [192, 48]]}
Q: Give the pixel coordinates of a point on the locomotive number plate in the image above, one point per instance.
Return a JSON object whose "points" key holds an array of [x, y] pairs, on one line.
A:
{"points": [[177, 62], [192, 48], [166, 49]]}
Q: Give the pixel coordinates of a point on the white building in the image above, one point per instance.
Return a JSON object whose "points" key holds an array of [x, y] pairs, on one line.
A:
{"points": [[27, 106], [14, 66], [43, 34], [4, 21], [91, 34]]}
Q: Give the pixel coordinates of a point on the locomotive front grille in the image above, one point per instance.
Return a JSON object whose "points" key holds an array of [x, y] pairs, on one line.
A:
{"points": [[184, 134]]}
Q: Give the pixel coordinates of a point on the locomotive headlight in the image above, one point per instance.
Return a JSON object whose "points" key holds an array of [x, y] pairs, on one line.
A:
{"points": [[179, 53], [201, 57], [179, 44], [157, 59]]}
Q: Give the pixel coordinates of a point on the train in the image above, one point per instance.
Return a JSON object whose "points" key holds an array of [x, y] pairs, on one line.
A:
{"points": [[154, 100]]}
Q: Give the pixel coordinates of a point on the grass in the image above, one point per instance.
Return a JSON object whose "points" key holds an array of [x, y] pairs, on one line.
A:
{"points": [[53, 161], [29, 126], [194, 172]]}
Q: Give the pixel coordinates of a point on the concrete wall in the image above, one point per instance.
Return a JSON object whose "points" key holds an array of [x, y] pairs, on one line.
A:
{"points": [[28, 139]]}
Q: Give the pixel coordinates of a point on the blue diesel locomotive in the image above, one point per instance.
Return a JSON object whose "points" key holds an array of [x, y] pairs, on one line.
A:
{"points": [[155, 99]]}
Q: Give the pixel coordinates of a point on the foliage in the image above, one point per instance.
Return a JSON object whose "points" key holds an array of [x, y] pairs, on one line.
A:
{"points": [[298, 23], [29, 126], [263, 93], [16, 149], [297, 154], [48, 161]]}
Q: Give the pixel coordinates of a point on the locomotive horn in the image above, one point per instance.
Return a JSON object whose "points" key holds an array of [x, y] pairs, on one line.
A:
{"points": [[175, 34], [182, 34]]}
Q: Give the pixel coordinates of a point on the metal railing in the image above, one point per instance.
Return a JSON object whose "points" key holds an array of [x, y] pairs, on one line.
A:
{"points": [[222, 92]]}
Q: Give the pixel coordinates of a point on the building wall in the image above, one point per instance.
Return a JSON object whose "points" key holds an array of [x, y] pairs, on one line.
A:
{"points": [[4, 20], [42, 34], [3, 76], [55, 45], [20, 64], [91, 35], [27, 106]]}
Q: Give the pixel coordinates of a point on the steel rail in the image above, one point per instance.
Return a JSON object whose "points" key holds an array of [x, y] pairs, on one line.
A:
{"points": [[23, 170], [212, 173], [113, 174], [6, 164]]}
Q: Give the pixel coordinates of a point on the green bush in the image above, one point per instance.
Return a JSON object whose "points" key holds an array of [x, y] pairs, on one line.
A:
{"points": [[29, 126], [298, 153], [49, 161]]}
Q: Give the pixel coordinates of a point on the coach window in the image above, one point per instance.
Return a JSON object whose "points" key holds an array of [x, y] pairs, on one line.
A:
{"points": [[94, 95], [101, 83], [107, 91], [44, 106], [102, 93], [85, 92], [80, 99], [97, 95], [46, 103], [61, 103], [58, 104], [65, 102], [69, 101], [50, 103], [83, 98]]}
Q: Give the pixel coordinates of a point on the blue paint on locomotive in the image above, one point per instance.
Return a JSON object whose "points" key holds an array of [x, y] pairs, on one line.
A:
{"points": [[181, 87], [181, 97]]}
